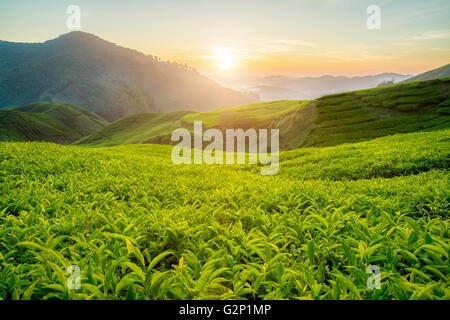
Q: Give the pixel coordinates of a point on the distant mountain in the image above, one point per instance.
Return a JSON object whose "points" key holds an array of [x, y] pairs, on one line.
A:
{"points": [[441, 72], [271, 93], [110, 80], [330, 120], [284, 87], [53, 122]]}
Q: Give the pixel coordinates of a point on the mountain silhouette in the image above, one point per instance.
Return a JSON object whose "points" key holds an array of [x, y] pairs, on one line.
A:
{"points": [[107, 79]]}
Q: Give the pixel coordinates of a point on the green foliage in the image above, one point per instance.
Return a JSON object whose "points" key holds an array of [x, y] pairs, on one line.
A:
{"points": [[346, 106], [248, 116], [141, 227], [334, 100], [137, 128], [291, 117], [54, 122], [407, 107], [389, 103], [446, 103], [367, 114], [429, 99], [355, 113], [444, 110]]}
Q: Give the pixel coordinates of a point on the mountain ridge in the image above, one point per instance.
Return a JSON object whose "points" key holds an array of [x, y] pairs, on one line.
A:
{"points": [[109, 80]]}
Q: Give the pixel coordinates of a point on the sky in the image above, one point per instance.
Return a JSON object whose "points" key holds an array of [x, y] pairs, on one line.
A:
{"points": [[254, 37]]}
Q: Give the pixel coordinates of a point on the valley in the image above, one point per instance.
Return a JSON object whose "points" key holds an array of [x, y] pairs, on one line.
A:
{"points": [[330, 120]]}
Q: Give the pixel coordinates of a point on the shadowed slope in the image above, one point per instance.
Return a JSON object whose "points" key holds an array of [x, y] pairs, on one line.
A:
{"points": [[54, 122]]}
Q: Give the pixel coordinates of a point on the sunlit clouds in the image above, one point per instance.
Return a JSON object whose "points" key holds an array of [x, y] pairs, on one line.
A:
{"points": [[254, 37]]}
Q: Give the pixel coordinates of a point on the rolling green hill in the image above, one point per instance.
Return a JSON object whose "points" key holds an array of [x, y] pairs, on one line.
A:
{"points": [[330, 120], [53, 122], [292, 117], [140, 227], [442, 72], [137, 128], [367, 114]]}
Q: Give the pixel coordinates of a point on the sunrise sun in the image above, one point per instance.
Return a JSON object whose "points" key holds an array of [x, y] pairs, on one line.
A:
{"points": [[224, 58], [225, 61]]}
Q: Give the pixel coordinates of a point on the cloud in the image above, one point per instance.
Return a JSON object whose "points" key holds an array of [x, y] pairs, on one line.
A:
{"points": [[274, 46], [431, 35], [355, 54], [294, 43], [424, 12], [259, 48]]}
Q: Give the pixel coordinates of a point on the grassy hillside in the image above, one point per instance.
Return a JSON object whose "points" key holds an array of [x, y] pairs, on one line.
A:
{"points": [[139, 226], [292, 117], [137, 128], [54, 122], [442, 72], [330, 120], [367, 114]]}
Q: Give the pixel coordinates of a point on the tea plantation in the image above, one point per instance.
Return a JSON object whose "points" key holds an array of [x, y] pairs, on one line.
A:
{"points": [[331, 120], [140, 227]]}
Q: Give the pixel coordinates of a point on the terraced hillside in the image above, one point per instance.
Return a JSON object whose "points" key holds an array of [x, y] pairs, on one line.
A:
{"points": [[53, 122], [330, 120], [368, 114]]}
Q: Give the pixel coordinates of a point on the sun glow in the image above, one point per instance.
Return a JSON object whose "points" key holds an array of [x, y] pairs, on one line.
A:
{"points": [[225, 61], [225, 58]]}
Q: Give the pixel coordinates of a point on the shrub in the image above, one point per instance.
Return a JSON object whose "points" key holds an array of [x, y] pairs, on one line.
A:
{"points": [[140, 227], [389, 103], [407, 107], [446, 103], [444, 110], [334, 101], [346, 106]]}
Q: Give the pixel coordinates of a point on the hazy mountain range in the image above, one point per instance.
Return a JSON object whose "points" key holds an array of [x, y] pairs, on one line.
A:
{"points": [[114, 81], [110, 80], [284, 87]]}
